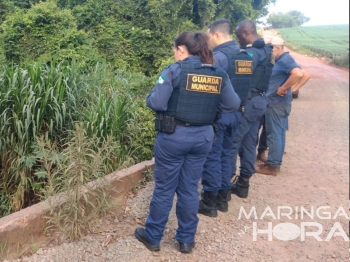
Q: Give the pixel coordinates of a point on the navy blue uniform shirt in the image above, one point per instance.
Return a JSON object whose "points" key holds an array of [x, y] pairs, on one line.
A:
{"points": [[258, 55], [158, 99], [220, 58], [284, 64]]}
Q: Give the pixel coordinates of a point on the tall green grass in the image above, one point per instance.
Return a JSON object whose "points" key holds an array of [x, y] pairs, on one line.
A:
{"points": [[47, 100], [34, 100]]}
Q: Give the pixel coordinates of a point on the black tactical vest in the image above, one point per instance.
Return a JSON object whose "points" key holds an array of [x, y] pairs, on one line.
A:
{"points": [[240, 71], [195, 100], [263, 70]]}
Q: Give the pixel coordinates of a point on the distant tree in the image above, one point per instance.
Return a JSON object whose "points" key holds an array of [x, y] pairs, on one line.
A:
{"points": [[25, 4], [289, 19], [6, 7], [298, 17], [44, 32], [238, 10], [133, 34]]}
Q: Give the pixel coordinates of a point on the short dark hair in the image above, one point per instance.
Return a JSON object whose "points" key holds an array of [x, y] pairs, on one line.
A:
{"points": [[221, 25]]}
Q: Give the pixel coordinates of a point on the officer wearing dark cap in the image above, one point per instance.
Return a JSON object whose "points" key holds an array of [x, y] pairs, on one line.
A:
{"points": [[186, 99], [217, 169], [245, 139]]}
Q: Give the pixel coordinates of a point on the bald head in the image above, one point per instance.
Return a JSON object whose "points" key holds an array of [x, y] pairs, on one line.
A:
{"points": [[246, 32], [247, 25]]}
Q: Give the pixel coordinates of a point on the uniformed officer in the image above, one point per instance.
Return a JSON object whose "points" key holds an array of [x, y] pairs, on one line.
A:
{"points": [[245, 139], [217, 168], [186, 99]]}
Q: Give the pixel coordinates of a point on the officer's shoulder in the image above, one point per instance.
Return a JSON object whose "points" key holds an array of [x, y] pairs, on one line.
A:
{"points": [[219, 53], [219, 69], [172, 67]]}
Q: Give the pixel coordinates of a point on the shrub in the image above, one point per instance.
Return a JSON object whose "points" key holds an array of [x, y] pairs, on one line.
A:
{"points": [[341, 60], [45, 32]]}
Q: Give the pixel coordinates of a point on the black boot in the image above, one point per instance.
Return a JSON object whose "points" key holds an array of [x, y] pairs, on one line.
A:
{"points": [[207, 205], [240, 188], [222, 200]]}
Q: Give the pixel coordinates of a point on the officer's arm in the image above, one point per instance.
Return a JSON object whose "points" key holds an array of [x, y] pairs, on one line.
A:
{"points": [[295, 76], [230, 101], [302, 82], [158, 99]]}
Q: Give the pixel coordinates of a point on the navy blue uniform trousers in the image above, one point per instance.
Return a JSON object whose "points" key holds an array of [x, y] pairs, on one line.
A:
{"points": [[262, 139], [179, 160], [217, 168], [245, 139]]}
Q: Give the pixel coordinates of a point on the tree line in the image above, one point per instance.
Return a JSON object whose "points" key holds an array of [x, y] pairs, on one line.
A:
{"points": [[131, 34], [285, 20]]}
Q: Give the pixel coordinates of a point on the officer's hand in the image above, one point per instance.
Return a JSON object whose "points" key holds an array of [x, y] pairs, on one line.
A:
{"points": [[281, 91]]}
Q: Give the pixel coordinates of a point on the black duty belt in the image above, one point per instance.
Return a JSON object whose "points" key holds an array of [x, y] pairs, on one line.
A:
{"points": [[180, 123]]}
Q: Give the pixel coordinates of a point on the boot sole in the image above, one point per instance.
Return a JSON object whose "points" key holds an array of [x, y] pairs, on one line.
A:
{"points": [[223, 209], [149, 246], [239, 195], [213, 213]]}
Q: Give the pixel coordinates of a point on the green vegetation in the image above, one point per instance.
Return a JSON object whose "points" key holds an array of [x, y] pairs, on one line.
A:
{"points": [[148, 176], [82, 160], [39, 100], [129, 34], [330, 41], [289, 19]]}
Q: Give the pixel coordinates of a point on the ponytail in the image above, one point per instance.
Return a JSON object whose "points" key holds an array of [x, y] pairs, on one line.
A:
{"points": [[197, 45]]}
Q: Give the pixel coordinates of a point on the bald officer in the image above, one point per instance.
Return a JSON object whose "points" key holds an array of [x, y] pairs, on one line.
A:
{"points": [[244, 142]]}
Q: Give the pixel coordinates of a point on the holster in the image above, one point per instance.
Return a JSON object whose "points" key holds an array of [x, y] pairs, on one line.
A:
{"points": [[164, 123], [242, 110]]}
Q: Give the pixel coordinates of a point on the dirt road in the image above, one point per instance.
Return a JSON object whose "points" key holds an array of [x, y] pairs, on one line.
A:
{"points": [[309, 195]]}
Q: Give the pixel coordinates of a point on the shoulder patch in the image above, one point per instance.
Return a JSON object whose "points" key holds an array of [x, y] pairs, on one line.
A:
{"points": [[161, 80]]}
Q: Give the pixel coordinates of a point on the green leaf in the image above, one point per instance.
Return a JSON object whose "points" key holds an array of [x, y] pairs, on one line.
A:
{"points": [[40, 173]]}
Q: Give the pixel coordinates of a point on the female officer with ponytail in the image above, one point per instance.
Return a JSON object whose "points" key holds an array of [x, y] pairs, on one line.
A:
{"points": [[187, 98]]}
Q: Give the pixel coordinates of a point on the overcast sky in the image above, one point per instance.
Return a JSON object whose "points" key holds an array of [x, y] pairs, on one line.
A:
{"points": [[320, 12]]}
